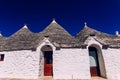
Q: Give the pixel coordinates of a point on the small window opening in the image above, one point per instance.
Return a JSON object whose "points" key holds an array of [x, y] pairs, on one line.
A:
{"points": [[46, 36], [105, 47], [1, 57], [92, 34]]}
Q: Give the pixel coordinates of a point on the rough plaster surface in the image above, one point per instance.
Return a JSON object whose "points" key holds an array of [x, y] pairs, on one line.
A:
{"points": [[112, 63], [19, 64], [71, 64]]}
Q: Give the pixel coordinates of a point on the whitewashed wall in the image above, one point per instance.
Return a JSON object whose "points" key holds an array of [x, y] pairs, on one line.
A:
{"points": [[111, 59], [112, 63], [71, 63], [20, 64]]}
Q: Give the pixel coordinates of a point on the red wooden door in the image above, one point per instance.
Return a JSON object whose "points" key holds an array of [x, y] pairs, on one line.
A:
{"points": [[48, 71], [94, 71], [94, 63]]}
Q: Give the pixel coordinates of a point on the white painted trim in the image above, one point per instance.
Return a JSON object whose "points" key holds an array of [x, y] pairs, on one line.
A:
{"points": [[45, 42], [90, 41]]}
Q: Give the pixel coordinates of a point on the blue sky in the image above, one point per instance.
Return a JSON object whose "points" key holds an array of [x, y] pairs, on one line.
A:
{"points": [[102, 15]]}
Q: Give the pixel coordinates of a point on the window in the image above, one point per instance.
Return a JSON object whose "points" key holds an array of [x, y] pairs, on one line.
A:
{"points": [[1, 57], [92, 34]]}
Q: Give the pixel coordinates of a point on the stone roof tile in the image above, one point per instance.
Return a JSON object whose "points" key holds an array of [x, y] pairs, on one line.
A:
{"points": [[103, 38]]}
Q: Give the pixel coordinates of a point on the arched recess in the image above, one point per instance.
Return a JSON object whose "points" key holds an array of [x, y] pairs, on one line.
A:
{"points": [[48, 60], [97, 66]]}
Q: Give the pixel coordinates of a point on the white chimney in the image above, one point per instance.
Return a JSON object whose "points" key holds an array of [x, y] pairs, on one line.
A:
{"points": [[117, 33]]}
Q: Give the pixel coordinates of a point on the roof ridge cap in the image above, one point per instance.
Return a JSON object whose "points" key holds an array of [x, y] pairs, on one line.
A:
{"points": [[54, 21], [1, 34], [85, 24], [25, 26]]}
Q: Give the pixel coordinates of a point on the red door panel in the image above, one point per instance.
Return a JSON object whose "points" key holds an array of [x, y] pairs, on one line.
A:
{"points": [[94, 71], [48, 63], [48, 70]]}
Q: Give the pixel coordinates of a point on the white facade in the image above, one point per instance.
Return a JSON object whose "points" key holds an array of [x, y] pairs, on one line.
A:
{"points": [[19, 64], [112, 63], [68, 63], [71, 64]]}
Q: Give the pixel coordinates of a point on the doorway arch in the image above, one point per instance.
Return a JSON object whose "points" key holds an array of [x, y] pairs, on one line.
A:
{"points": [[48, 60], [97, 66]]}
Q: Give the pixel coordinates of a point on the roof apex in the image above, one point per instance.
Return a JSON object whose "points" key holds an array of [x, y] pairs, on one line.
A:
{"points": [[55, 28], [0, 34], [25, 26], [54, 21], [85, 24]]}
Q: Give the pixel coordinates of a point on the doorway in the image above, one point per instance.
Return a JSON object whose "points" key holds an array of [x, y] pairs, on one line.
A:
{"points": [[94, 62], [48, 60], [48, 63]]}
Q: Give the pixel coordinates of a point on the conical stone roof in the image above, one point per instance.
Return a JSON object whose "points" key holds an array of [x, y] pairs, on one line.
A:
{"points": [[103, 38], [24, 39], [21, 40], [59, 35], [2, 42], [55, 29]]}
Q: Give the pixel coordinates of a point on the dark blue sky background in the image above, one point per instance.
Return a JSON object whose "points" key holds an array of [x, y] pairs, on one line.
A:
{"points": [[102, 15]]}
